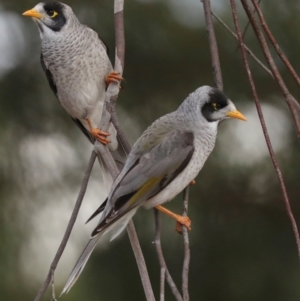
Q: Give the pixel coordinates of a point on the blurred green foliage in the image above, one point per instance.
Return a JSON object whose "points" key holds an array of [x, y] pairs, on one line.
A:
{"points": [[242, 245]]}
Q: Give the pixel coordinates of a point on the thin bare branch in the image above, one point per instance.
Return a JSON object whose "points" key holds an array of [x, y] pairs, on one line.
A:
{"points": [[109, 111], [50, 276], [161, 258], [246, 28], [263, 124], [140, 261], [213, 45], [275, 44], [247, 49], [186, 243], [162, 284], [290, 100]]}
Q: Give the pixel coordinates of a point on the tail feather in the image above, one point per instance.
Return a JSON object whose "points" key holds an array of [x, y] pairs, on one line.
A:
{"points": [[81, 263], [114, 229]]}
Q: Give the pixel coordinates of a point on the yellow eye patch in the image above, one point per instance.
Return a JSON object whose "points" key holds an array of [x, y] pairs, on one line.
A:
{"points": [[52, 14], [214, 105]]}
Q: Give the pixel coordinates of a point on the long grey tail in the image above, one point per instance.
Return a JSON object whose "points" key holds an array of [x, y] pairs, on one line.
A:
{"points": [[81, 263]]}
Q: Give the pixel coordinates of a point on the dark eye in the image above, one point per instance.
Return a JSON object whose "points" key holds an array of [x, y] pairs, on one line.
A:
{"points": [[52, 13]]}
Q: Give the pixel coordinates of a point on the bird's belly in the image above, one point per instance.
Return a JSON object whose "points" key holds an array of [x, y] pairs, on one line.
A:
{"points": [[180, 182], [80, 99]]}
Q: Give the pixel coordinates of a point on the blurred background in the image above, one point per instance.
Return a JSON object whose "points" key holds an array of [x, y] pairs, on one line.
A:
{"points": [[242, 244]]}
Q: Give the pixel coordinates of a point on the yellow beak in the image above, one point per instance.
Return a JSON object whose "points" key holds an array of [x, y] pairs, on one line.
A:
{"points": [[32, 13], [236, 114]]}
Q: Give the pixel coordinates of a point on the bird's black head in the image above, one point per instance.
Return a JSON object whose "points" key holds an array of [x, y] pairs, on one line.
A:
{"points": [[55, 11], [217, 101], [50, 15]]}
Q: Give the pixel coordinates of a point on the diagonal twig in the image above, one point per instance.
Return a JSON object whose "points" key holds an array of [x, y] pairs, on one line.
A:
{"points": [[247, 49], [186, 243], [275, 44], [245, 30], [161, 258], [290, 100], [213, 45], [263, 124], [67, 234]]}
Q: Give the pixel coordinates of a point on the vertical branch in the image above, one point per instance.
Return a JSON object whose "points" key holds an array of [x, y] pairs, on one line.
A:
{"points": [[140, 261], [161, 258], [213, 45], [263, 124], [68, 231], [162, 284], [275, 44], [109, 111], [290, 100], [187, 256]]}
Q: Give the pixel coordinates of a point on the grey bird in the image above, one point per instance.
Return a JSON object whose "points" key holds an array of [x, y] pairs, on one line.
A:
{"points": [[162, 162], [78, 69]]}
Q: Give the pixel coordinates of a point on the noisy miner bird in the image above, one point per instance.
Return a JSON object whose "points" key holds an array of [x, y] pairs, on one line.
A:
{"points": [[162, 162], [78, 69]]}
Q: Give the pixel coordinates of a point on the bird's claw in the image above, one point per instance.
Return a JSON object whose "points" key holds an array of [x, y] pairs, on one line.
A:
{"points": [[113, 77], [183, 221], [100, 136]]}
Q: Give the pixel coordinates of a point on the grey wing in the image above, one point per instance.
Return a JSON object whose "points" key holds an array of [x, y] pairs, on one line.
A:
{"points": [[148, 175]]}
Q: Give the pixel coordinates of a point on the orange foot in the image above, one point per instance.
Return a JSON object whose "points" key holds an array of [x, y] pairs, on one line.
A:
{"points": [[98, 134], [113, 77], [183, 221]]}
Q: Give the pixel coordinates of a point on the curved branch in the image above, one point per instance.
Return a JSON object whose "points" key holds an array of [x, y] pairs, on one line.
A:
{"points": [[161, 258], [263, 124], [68, 231]]}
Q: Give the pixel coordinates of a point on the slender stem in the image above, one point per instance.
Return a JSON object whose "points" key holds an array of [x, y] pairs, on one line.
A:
{"points": [[246, 28], [107, 114], [247, 49], [290, 100], [263, 124], [162, 284], [161, 258], [275, 44], [140, 261], [50, 276], [186, 243], [213, 45]]}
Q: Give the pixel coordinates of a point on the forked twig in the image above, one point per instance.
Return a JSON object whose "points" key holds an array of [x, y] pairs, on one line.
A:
{"points": [[275, 44], [161, 258], [247, 48], [290, 100], [263, 124], [61, 248]]}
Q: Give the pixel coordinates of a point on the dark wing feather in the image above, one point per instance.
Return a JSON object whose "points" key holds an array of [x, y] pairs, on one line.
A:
{"points": [[48, 75]]}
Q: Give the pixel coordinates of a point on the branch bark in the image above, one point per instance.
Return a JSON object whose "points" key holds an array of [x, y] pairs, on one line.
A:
{"points": [[290, 100], [263, 124], [161, 258], [61, 248], [217, 73], [186, 243], [275, 44]]}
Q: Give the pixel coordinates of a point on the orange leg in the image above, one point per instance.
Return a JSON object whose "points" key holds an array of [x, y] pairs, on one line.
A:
{"points": [[98, 134], [181, 220], [113, 77]]}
